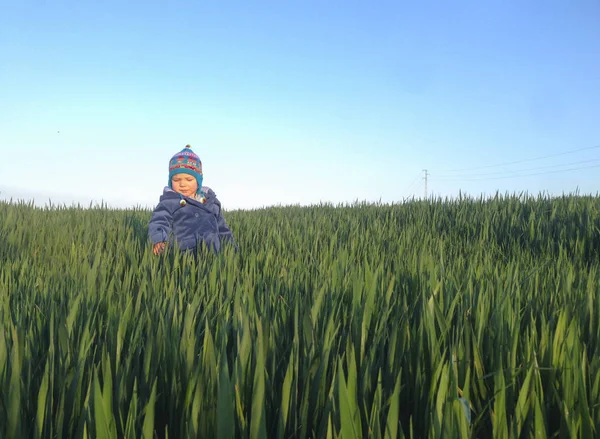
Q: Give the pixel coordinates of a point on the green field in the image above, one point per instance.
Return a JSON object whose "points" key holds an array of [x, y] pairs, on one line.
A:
{"points": [[449, 318]]}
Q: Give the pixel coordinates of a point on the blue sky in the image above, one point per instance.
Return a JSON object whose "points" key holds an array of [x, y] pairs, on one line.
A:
{"points": [[298, 102]]}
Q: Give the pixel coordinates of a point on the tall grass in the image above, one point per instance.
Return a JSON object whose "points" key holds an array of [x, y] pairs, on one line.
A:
{"points": [[449, 318]]}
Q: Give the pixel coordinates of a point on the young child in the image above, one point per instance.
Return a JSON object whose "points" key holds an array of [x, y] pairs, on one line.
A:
{"points": [[188, 212]]}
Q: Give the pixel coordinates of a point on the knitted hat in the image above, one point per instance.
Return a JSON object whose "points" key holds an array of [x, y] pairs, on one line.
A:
{"points": [[186, 162]]}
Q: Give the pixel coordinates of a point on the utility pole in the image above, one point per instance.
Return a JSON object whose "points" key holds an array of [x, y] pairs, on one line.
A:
{"points": [[425, 178]]}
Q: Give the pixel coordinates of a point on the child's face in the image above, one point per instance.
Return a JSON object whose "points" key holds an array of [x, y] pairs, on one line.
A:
{"points": [[184, 184]]}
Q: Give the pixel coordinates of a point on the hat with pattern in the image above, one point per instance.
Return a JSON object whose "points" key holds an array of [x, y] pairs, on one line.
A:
{"points": [[186, 162]]}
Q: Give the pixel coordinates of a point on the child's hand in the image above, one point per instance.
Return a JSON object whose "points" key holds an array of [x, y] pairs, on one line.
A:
{"points": [[159, 248]]}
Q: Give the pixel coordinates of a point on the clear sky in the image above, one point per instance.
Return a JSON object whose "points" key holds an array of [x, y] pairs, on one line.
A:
{"points": [[292, 102]]}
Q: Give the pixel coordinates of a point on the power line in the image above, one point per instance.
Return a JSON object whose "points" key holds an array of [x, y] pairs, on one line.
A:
{"points": [[516, 171], [412, 183], [523, 160], [525, 175]]}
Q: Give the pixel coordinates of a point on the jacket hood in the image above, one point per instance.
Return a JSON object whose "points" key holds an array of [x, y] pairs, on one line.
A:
{"points": [[169, 193]]}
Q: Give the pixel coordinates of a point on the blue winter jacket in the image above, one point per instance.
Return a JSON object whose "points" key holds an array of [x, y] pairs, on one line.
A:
{"points": [[192, 224]]}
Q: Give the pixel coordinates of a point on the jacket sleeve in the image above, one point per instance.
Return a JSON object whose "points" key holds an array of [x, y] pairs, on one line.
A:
{"points": [[161, 224], [224, 231]]}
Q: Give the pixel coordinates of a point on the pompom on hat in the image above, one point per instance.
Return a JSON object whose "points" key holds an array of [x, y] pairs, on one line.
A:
{"points": [[186, 162]]}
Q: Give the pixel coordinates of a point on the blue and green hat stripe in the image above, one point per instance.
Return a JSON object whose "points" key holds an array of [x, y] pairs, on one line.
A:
{"points": [[186, 162]]}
